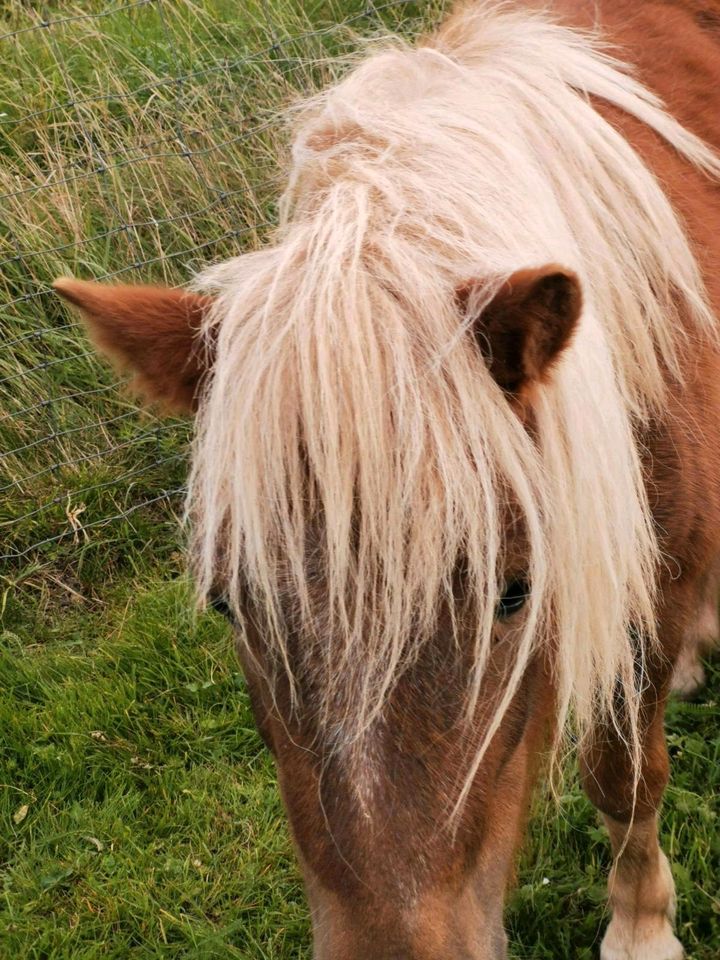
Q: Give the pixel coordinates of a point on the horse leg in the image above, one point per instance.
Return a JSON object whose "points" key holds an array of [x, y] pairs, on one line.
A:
{"points": [[701, 636], [642, 896], [641, 888]]}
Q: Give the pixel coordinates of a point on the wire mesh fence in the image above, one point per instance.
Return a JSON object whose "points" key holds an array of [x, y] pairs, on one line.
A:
{"points": [[138, 141]]}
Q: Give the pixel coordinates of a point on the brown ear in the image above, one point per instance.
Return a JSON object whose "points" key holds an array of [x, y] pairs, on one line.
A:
{"points": [[527, 324], [154, 331]]}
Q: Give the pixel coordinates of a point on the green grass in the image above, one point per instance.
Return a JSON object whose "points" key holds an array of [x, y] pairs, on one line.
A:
{"points": [[153, 826], [139, 815]]}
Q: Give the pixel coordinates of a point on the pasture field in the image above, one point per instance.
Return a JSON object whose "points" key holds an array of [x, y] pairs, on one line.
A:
{"points": [[139, 815]]}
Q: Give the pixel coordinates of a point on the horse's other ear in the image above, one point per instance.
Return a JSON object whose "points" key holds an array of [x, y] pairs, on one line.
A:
{"points": [[152, 331], [527, 324]]}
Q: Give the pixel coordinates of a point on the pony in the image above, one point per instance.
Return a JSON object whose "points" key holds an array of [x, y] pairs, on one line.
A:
{"points": [[454, 477]]}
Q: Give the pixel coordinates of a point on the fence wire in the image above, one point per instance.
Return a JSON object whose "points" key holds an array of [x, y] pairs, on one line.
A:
{"points": [[138, 140]]}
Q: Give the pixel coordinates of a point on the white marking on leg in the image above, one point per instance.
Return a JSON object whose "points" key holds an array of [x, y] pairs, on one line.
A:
{"points": [[689, 675], [642, 897], [701, 636]]}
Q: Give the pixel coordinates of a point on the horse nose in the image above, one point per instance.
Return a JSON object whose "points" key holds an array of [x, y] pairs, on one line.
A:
{"points": [[496, 952], [436, 944]]}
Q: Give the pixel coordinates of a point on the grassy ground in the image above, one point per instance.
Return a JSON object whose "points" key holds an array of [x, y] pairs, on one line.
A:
{"points": [[138, 811]]}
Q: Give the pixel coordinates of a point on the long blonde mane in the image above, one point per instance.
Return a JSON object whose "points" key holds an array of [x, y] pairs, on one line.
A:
{"points": [[352, 445]]}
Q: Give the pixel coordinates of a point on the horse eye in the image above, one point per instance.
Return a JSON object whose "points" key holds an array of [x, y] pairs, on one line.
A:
{"points": [[513, 599]]}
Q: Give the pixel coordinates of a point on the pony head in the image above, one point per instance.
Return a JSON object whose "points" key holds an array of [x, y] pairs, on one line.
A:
{"points": [[373, 757]]}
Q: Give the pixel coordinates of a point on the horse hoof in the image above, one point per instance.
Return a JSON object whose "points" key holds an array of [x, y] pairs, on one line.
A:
{"points": [[660, 944]]}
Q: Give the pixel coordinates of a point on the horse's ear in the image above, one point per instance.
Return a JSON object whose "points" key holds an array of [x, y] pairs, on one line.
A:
{"points": [[153, 331], [527, 324]]}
